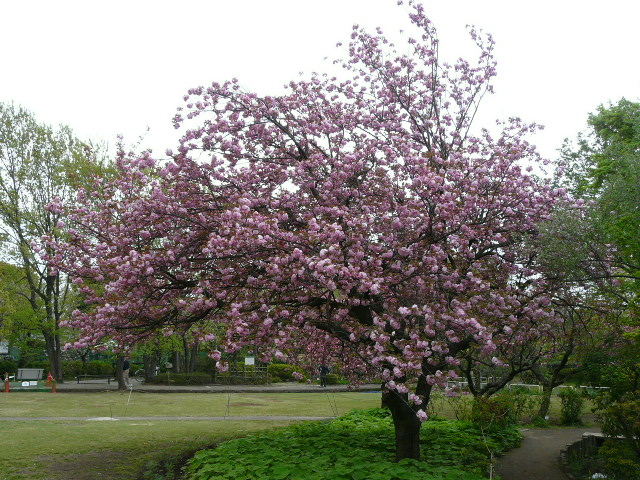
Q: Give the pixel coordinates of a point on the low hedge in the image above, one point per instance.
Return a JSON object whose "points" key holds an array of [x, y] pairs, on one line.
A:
{"points": [[332, 379], [282, 372], [196, 378], [73, 368]]}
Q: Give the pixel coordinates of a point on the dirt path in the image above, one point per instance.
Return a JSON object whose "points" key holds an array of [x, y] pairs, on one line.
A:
{"points": [[538, 457]]}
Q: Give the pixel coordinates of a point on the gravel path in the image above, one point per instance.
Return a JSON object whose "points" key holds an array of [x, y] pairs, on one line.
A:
{"points": [[538, 457]]}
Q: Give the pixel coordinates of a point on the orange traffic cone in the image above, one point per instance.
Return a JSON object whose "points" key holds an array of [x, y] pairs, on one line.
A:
{"points": [[49, 379]]}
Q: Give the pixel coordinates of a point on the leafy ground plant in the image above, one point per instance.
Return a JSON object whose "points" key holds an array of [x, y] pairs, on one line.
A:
{"points": [[356, 446]]}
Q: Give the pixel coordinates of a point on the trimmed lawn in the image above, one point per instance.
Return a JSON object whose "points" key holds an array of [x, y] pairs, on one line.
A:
{"points": [[86, 450], [106, 450], [114, 404], [119, 450]]}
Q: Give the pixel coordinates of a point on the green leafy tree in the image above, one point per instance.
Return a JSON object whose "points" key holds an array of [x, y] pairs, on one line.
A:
{"points": [[16, 316], [18, 324], [37, 165], [603, 166]]}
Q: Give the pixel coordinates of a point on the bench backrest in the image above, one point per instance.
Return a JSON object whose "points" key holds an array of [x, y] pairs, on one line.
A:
{"points": [[29, 374]]}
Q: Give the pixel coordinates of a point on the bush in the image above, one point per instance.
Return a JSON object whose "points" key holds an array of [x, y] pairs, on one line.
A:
{"points": [[73, 368], [281, 372], [97, 367], [524, 403], [620, 420], [620, 417], [620, 460], [508, 407], [332, 379], [494, 412], [572, 403], [205, 364], [168, 378], [8, 366]]}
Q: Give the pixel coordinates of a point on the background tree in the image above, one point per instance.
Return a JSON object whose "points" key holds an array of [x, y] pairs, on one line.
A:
{"points": [[356, 222], [17, 320], [575, 259], [38, 165], [604, 167]]}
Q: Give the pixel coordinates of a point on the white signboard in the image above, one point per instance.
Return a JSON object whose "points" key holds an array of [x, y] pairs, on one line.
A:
{"points": [[249, 360]]}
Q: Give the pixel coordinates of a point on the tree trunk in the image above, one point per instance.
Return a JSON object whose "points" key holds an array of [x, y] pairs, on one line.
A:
{"points": [[547, 389], [406, 423], [193, 357], [119, 374], [150, 363], [83, 358], [177, 361], [52, 342]]}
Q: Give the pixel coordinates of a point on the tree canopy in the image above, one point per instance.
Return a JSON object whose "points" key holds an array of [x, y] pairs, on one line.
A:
{"points": [[604, 167], [38, 165], [353, 220]]}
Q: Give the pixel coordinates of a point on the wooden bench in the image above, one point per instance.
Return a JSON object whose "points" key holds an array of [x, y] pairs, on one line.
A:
{"points": [[88, 378]]}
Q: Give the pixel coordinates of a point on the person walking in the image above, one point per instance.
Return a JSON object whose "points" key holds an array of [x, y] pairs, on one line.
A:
{"points": [[126, 365], [324, 370]]}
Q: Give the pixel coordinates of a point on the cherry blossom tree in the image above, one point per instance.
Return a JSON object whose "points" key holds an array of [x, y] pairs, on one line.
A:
{"points": [[355, 220]]}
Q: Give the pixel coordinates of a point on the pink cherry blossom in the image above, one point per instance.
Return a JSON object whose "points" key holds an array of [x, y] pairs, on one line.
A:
{"points": [[353, 221]]}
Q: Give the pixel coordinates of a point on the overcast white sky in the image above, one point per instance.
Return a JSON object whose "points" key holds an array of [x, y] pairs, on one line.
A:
{"points": [[118, 67]]}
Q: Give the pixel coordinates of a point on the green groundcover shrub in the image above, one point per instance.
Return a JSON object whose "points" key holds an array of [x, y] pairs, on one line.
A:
{"points": [[357, 446]]}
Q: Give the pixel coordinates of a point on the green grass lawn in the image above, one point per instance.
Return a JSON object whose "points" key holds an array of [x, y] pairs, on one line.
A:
{"points": [[119, 404], [81, 450], [105, 450]]}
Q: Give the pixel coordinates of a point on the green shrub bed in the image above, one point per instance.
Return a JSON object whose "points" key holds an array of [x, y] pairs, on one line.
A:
{"points": [[357, 446]]}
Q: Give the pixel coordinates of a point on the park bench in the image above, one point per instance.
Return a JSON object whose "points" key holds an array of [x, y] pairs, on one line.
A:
{"points": [[88, 378], [33, 374], [28, 380]]}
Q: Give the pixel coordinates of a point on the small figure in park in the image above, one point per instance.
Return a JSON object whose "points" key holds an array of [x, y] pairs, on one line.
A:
{"points": [[324, 370], [125, 372]]}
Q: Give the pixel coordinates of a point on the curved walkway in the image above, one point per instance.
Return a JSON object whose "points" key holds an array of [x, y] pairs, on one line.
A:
{"points": [[538, 456]]}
